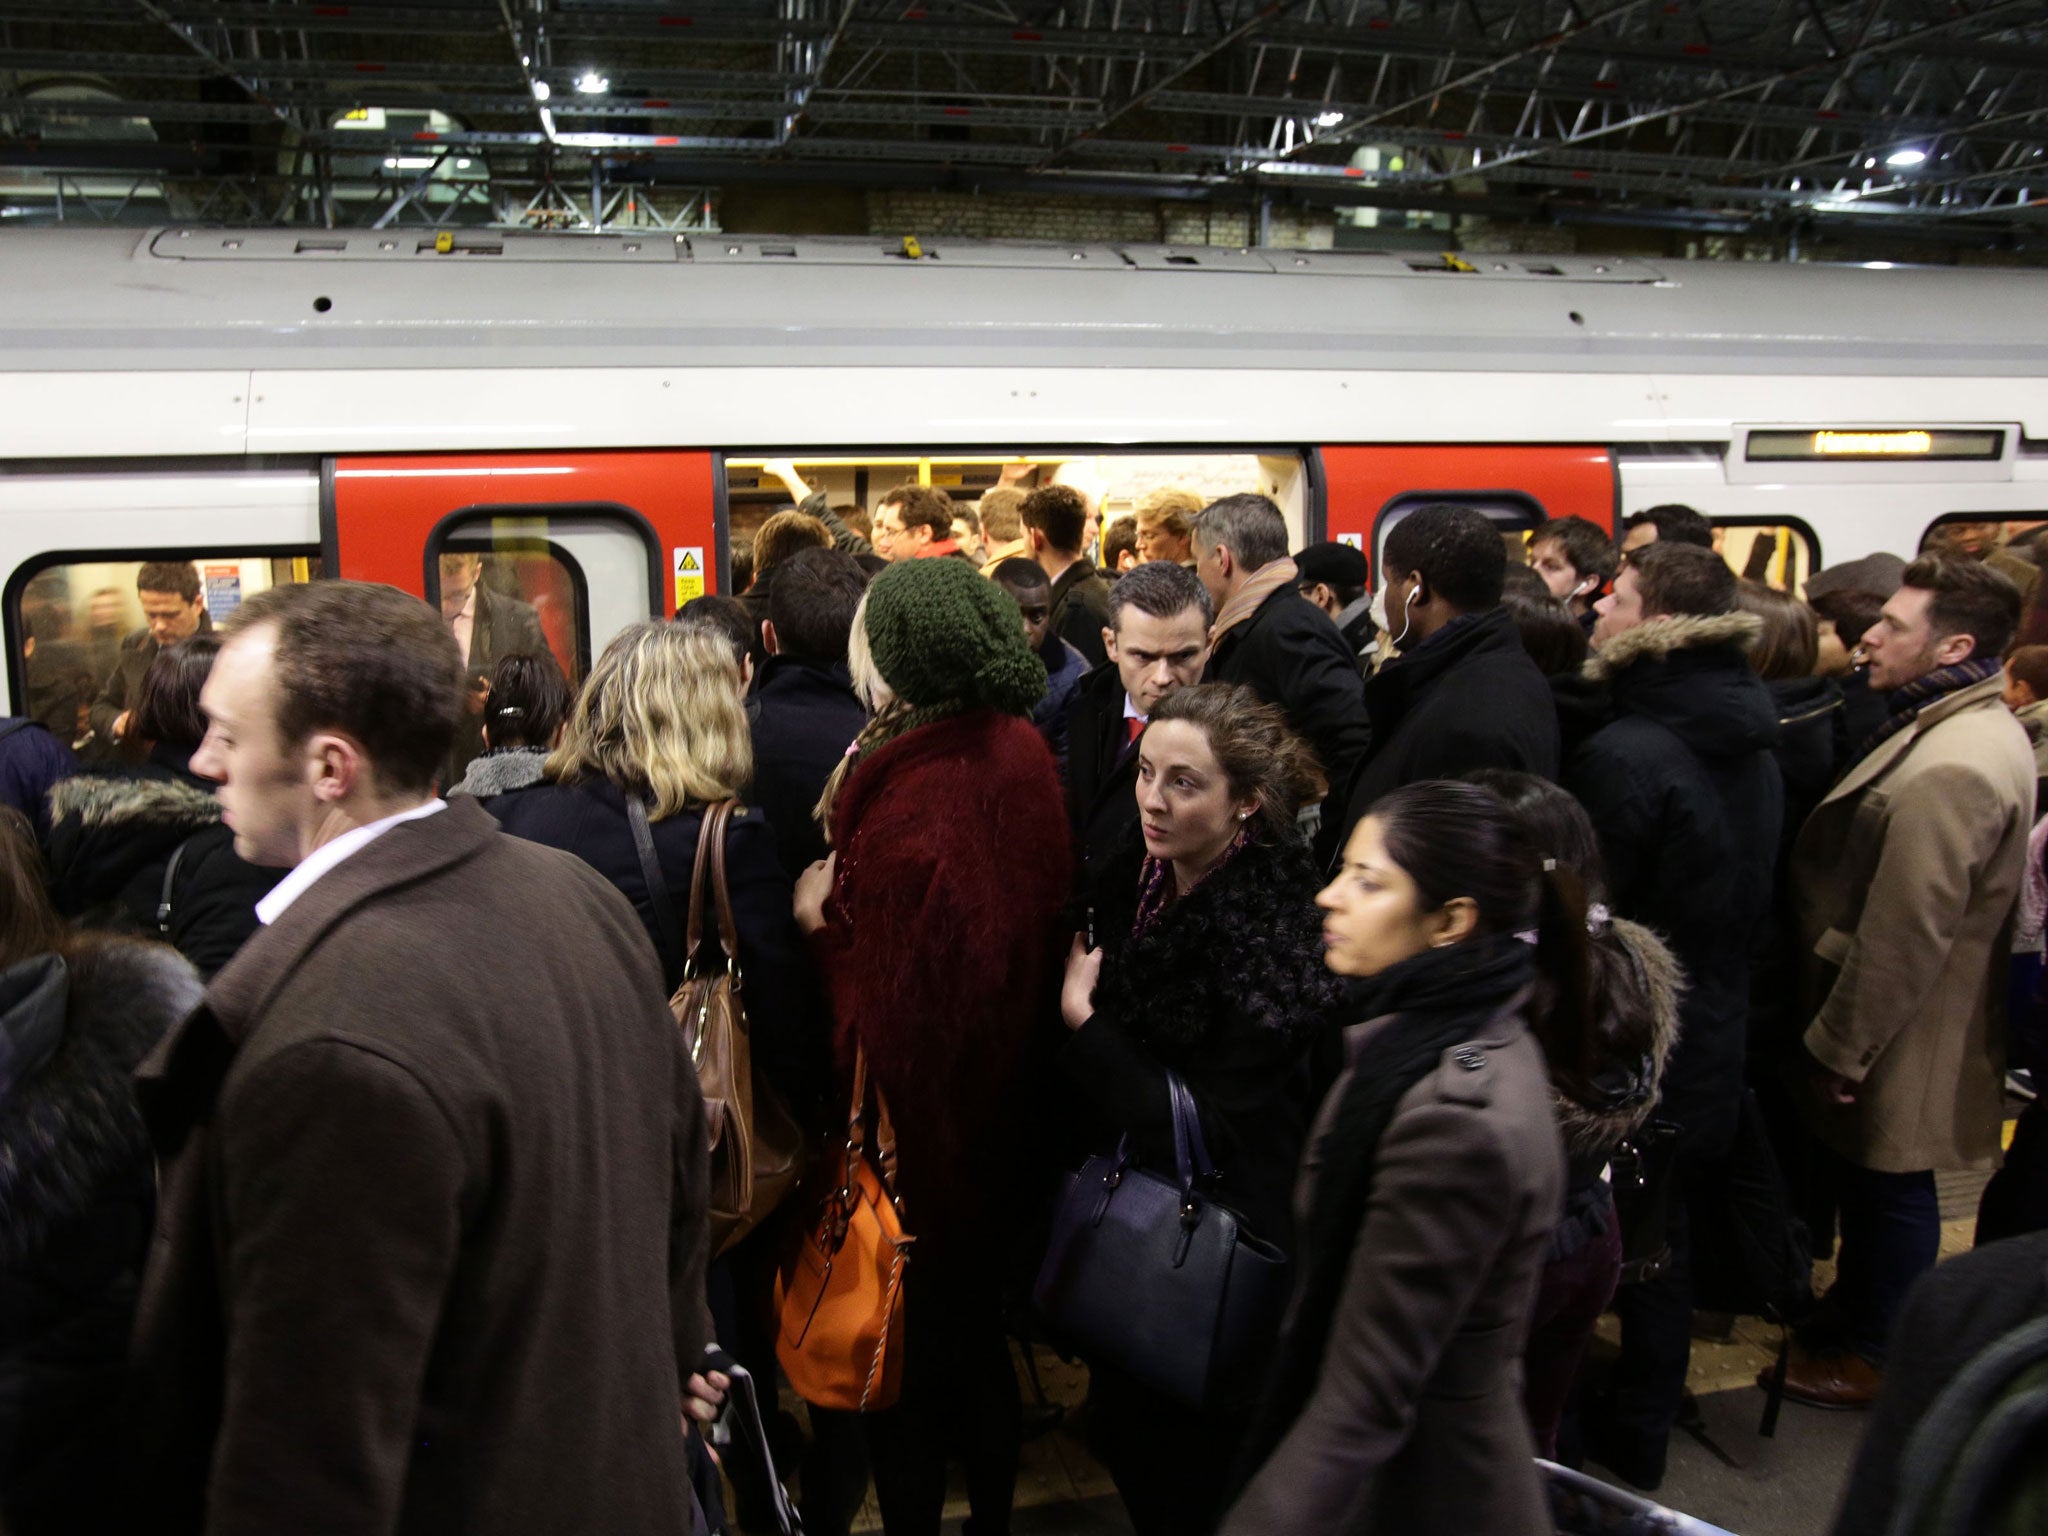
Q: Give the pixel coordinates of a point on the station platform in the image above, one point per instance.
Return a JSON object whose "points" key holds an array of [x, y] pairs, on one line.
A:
{"points": [[1721, 1471]]}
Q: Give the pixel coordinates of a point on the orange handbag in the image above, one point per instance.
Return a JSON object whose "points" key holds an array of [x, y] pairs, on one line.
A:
{"points": [[840, 1293]]}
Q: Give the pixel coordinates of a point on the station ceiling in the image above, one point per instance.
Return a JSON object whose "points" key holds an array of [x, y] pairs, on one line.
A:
{"points": [[1921, 116]]}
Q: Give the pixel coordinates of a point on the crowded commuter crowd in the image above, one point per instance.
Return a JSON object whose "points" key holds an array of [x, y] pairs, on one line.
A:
{"points": [[435, 1097]]}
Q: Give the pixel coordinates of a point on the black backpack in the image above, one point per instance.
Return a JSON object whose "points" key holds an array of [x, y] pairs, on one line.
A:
{"points": [[1978, 1459]]}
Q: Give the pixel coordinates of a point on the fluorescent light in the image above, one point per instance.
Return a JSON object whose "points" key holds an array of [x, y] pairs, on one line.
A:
{"points": [[591, 83], [541, 90], [462, 165], [1877, 266], [1904, 157], [1329, 119]]}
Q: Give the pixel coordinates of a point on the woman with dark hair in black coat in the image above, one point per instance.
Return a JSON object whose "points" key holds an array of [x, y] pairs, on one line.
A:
{"points": [[77, 1188], [1210, 967], [143, 851]]}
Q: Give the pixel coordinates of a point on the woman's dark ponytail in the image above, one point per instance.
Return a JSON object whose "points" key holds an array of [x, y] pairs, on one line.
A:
{"points": [[1564, 962]]}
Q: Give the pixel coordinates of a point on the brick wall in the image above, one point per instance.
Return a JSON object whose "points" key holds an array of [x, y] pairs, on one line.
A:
{"points": [[1010, 216]]}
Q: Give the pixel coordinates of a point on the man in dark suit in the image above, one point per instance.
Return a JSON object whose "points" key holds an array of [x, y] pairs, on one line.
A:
{"points": [[486, 625], [1157, 639], [173, 609], [431, 1240]]}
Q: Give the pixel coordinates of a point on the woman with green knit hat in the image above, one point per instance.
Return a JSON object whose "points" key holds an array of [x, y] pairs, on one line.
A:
{"points": [[936, 925]]}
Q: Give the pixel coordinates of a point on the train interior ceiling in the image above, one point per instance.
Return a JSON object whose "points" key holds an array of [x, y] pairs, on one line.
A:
{"points": [[593, 541]]}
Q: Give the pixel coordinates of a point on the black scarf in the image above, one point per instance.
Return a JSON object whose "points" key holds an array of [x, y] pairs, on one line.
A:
{"points": [[1442, 997]]}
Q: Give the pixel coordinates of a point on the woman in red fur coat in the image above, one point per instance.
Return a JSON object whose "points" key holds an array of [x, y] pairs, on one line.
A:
{"points": [[937, 927]]}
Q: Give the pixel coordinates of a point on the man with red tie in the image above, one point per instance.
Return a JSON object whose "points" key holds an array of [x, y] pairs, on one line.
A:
{"points": [[1158, 641]]}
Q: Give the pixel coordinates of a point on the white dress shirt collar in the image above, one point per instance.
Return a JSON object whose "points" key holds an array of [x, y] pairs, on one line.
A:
{"points": [[327, 856]]}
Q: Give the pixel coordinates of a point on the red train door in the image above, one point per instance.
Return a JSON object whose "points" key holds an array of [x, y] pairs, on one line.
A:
{"points": [[1368, 488], [592, 541]]}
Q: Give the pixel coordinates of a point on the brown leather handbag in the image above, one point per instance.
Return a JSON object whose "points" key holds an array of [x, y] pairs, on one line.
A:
{"points": [[840, 1293], [757, 1147]]}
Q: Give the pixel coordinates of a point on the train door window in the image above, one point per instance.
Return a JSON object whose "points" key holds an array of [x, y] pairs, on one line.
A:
{"points": [[1981, 534], [1114, 483], [1778, 553], [1513, 512], [83, 631]]}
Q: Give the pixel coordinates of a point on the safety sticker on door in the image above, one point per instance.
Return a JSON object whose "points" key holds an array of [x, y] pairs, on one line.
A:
{"points": [[689, 573]]}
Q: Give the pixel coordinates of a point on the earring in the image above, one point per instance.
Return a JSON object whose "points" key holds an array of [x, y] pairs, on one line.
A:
{"points": [[1242, 814]]}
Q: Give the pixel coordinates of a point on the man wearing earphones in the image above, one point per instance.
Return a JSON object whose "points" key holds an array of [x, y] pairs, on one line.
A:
{"points": [[1462, 694], [1576, 559]]}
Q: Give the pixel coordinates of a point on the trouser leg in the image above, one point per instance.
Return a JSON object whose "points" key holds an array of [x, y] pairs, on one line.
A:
{"points": [[1656, 1344], [1891, 1235]]}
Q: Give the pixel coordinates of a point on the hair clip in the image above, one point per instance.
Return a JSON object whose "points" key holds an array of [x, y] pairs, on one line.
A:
{"points": [[1550, 866]]}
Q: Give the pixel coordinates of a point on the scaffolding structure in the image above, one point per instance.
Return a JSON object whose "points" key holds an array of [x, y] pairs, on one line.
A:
{"points": [[1732, 115]]}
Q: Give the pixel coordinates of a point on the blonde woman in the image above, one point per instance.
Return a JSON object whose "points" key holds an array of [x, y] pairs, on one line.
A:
{"points": [[660, 720]]}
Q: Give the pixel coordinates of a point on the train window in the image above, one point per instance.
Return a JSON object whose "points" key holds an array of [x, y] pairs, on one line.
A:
{"points": [[83, 631], [1778, 553], [1515, 513], [1979, 534], [759, 486]]}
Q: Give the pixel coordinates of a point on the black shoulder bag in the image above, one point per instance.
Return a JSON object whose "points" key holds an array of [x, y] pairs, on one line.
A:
{"points": [[1150, 1275]]}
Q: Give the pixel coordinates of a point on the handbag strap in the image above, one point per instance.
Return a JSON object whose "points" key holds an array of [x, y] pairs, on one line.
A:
{"points": [[1190, 1149], [716, 822], [856, 1129], [163, 899], [673, 959]]}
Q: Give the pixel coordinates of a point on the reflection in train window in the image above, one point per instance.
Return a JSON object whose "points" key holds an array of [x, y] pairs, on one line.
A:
{"points": [[1982, 534], [1778, 554], [83, 633], [758, 486], [1513, 512]]}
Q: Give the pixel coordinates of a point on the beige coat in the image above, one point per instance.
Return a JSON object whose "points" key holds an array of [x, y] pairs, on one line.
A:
{"points": [[1905, 879]]}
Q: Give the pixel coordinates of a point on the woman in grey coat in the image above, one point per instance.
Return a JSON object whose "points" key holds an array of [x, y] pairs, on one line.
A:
{"points": [[1432, 1181]]}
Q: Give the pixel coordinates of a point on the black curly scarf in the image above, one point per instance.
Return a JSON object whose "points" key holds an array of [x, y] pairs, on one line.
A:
{"points": [[1245, 942], [1443, 997]]}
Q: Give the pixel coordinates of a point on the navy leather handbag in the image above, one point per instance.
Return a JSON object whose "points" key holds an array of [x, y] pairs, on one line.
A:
{"points": [[1151, 1275]]}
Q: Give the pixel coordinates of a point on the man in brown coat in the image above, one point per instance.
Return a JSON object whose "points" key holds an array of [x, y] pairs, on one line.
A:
{"points": [[430, 1247], [1905, 878]]}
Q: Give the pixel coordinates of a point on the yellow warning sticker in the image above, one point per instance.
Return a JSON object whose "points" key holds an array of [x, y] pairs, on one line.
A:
{"points": [[1355, 540], [689, 573]]}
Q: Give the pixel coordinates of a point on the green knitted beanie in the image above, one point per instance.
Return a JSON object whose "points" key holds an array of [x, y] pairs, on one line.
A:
{"points": [[941, 635]]}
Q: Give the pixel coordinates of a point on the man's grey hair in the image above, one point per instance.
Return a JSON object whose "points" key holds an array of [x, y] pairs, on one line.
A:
{"points": [[1162, 588], [1249, 526]]}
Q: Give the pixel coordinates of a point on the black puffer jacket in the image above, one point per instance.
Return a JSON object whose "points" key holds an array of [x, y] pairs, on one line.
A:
{"points": [[111, 841], [1467, 698], [1227, 988], [77, 1190], [1686, 797], [1290, 654]]}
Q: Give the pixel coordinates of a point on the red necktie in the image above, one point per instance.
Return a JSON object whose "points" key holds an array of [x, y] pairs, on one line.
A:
{"points": [[1137, 727]]}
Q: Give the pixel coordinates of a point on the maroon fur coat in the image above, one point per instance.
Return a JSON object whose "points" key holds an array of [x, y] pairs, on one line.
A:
{"points": [[941, 947]]}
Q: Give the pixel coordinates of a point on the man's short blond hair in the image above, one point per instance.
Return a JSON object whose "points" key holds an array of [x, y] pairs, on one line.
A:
{"points": [[1002, 514], [1170, 508]]}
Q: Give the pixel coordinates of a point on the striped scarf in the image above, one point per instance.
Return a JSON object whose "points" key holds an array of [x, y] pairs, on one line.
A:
{"points": [[1906, 702]]}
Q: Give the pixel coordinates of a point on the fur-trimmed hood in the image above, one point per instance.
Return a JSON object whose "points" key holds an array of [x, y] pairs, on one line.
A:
{"points": [[1661, 637], [1242, 949], [125, 804], [69, 1128], [1593, 1132]]}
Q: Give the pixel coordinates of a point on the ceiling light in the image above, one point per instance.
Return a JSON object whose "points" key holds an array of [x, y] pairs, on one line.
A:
{"points": [[1904, 157], [591, 83], [1329, 119], [541, 91], [1877, 266], [1870, 165]]}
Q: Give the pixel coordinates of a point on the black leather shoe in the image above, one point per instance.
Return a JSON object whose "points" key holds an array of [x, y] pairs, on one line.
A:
{"points": [[1630, 1456]]}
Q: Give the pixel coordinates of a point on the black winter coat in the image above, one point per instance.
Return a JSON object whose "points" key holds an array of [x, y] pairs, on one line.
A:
{"points": [[1467, 698], [1289, 653], [1685, 794], [76, 1183], [1080, 610], [111, 840], [1227, 988], [1102, 773], [791, 1037], [1809, 743], [805, 718]]}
